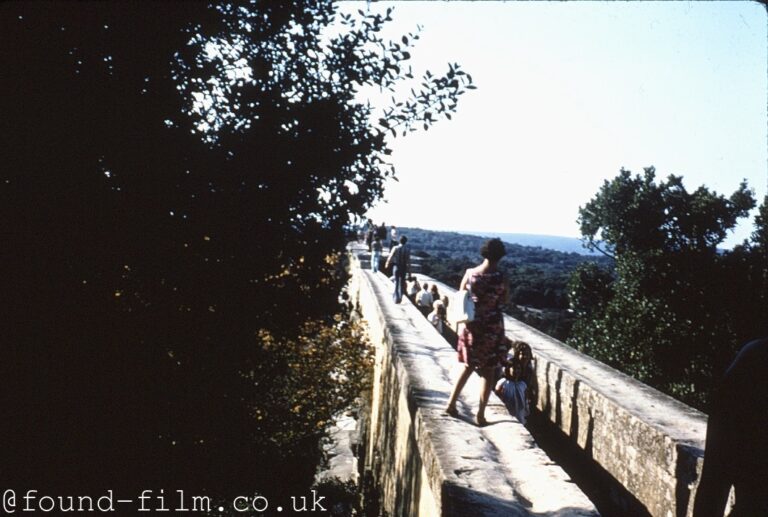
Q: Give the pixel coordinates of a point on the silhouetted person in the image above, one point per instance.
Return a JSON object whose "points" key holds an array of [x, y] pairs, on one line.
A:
{"points": [[370, 234], [737, 447], [381, 233], [400, 261], [375, 255]]}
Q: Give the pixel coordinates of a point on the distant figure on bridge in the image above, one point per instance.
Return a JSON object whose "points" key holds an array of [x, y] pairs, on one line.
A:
{"points": [[375, 255], [482, 343], [381, 233], [370, 233], [514, 388], [392, 237], [434, 292], [424, 299], [413, 289], [400, 261], [737, 448], [437, 316]]}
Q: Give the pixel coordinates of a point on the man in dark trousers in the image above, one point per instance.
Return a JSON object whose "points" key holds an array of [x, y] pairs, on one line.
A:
{"points": [[400, 260], [370, 233], [737, 448], [381, 232]]}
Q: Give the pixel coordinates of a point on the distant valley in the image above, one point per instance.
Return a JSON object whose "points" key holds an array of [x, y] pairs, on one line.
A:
{"points": [[537, 268], [563, 244]]}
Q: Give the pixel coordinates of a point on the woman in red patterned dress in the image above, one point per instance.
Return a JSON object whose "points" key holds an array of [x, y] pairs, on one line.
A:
{"points": [[482, 343]]}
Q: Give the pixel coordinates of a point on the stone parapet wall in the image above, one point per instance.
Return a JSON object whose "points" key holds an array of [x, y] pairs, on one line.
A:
{"points": [[422, 462], [652, 444]]}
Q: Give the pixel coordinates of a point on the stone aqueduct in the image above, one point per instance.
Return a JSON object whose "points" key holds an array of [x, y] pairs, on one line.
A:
{"points": [[419, 461]]}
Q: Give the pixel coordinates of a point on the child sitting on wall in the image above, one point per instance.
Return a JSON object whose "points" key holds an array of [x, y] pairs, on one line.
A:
{"points": [[514, 388], [437, 316]]}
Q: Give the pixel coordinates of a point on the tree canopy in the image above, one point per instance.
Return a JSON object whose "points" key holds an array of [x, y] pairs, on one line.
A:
{"points": [[176, 186], [637, 214], [677, 308]]}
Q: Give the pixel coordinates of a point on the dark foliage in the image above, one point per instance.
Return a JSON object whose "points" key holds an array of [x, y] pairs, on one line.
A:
{"points": [[176, 183], [677, 309]]}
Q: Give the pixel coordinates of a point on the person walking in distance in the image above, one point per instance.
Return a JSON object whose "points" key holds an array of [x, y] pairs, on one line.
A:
{"points": [[392, 237], [482, 344], [381, 232], [400, 261], [375, 255]]}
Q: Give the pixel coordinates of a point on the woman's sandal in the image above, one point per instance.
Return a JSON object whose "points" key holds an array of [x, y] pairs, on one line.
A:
{"points": [[451, 411], [481, 421]]}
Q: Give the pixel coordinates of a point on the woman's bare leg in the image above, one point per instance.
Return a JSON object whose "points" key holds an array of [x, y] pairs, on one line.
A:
{"points": [[485, 393], [460, 382]]}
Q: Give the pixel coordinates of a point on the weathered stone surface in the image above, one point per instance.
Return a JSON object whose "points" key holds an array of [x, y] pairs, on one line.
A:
{"points": [[426, 463]]}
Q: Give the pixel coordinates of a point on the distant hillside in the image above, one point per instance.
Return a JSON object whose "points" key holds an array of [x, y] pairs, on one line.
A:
{"points": [[540, 273], [537, 275], [454, 245], [564, 244]]}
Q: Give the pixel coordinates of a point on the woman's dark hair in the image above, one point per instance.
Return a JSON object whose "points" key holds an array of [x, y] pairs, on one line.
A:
{"points": [[493, 250]]}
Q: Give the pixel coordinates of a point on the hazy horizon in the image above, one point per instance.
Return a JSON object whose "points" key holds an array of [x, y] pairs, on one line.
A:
{"points": [[556, 242]]}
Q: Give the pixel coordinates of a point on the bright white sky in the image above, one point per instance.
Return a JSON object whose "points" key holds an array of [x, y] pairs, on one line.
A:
{"points": [[570, 92]]}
